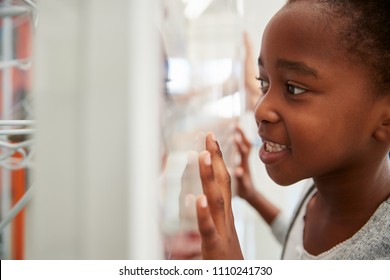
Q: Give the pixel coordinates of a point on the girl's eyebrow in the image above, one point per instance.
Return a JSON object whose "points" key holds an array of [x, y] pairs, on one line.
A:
{"points": [[296, 66]]}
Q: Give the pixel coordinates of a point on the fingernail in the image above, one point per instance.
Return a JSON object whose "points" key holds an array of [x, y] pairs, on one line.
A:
{"points": [[239, 171], [203, 201], [207, 158], [213, 137]]}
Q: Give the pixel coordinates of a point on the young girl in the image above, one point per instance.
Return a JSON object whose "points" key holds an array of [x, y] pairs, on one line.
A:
{"points": [[324, 113]]}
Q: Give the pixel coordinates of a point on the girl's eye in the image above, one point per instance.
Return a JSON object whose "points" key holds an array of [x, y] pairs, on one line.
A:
{"points": [[295, 90], [264, 85]]}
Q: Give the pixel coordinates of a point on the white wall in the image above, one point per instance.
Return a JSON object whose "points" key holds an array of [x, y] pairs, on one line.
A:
{"points": [[257, 13], [97, 132]]}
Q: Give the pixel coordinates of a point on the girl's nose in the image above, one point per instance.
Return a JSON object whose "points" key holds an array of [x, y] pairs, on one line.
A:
{"points": [[265, 110]]}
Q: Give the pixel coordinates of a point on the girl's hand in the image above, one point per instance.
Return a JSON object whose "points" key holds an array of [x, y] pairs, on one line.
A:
{"points": [[215, 216], [252, 86], [245, 187]]}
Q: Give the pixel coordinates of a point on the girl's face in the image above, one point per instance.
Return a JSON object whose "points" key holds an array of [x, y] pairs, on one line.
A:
{"points": [[316, 115]]}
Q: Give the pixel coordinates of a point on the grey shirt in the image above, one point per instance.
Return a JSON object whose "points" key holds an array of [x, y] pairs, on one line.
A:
{"points": [[372, 241]]}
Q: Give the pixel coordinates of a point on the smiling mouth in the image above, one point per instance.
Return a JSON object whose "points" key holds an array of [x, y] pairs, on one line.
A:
{"points": [[274, 147]]}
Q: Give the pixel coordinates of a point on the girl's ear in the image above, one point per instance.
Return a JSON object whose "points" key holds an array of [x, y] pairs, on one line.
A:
{"points": [[382, 131]]}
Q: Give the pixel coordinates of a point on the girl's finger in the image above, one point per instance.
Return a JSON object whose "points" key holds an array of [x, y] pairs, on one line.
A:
{"points": [[207, 228], [243, 136], [222, 177], [215, 198], [243, 150]]}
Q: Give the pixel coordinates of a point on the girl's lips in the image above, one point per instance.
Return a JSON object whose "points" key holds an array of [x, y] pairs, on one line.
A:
{"points": [[272, 152]]}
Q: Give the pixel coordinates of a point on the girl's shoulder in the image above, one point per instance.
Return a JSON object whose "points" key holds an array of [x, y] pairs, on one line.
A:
{"points": [[372, 241]]}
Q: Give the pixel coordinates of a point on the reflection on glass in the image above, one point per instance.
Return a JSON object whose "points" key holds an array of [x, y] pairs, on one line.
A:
{"points": [[202, 42]]}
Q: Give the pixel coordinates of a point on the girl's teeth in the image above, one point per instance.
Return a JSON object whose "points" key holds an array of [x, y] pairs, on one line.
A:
{"points": [[274, 147]]}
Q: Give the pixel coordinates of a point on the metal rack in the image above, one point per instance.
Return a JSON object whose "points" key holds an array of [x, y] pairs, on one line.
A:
{"points": [[10, 148], [16, 128]]}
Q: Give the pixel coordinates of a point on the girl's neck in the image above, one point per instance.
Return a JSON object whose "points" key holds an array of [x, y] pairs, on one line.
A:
{"points": [[355, 192]]}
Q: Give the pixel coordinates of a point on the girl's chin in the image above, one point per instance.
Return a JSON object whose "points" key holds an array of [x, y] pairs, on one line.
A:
{"points": [[281, 178]]}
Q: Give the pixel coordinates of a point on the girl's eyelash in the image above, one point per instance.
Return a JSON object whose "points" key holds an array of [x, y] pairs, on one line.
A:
{"points": [[294, 90], [263, 87]]}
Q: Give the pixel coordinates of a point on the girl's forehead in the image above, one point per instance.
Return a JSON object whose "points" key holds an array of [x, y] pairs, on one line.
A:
{"points": [[302, 32]]}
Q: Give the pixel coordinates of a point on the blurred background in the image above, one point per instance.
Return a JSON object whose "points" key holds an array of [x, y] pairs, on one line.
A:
{"points": [[103, 107]]}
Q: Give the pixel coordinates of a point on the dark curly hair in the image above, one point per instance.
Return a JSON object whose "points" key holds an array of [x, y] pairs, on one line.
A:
{"points": [[364, 32]]}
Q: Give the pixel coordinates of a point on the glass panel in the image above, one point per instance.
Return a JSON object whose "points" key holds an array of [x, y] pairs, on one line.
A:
{"points": [[202, 42]]}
